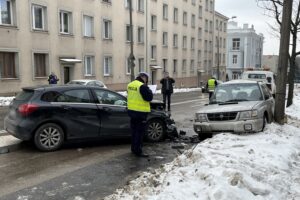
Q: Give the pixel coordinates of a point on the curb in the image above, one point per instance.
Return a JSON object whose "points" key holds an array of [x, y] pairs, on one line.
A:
{"points": [[8, 143]]}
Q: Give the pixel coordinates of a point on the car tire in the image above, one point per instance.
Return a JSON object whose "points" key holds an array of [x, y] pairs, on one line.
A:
{"points": [[155, 130], [203, 136], [265, 121], [49, 137]]}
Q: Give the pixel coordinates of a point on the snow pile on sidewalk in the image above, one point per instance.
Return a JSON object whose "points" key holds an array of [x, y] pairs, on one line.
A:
{"points": [[294, 110], [5, 101], [237, 167]]}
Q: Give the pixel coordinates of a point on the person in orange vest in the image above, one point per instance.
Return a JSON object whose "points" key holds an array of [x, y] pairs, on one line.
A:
{"points": [[138, 103], [211, 85]]}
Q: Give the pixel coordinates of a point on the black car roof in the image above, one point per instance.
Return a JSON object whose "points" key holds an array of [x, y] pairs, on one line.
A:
{"points": [[61, 87]]}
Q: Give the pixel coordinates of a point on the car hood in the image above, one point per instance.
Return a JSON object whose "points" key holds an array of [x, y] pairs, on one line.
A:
{"points": [[236, 107]]}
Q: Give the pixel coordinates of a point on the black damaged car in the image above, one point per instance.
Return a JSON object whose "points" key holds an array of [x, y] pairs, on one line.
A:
{"points": [[52, 115]]}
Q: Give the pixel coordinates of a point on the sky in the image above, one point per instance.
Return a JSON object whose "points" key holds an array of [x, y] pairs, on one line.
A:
{"points": [[248, 12]]}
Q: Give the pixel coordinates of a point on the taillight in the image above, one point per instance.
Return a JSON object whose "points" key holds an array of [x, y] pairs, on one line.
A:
{"points": [[26, 109]]}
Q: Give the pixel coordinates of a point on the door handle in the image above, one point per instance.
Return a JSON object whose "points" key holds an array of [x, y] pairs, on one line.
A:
{"points": [[66, 107]]}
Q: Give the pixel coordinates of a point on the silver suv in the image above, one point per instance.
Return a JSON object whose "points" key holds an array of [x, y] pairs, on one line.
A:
{"points": [[236, 106]]}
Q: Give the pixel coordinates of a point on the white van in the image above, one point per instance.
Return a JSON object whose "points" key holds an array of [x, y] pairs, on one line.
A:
{"points": [[264, 76]]}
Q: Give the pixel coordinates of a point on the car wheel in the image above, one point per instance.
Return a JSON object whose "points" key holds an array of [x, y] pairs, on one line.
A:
{"points": [[265, 121], [155, 130], [49, 137]]}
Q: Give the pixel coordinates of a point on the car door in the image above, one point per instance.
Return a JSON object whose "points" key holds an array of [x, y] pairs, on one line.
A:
{"points": [[112, 107], [79, 112]]}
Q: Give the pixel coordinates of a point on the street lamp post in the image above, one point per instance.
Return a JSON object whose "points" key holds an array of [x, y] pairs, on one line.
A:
{"points": [[218, 49], [131, 56]]}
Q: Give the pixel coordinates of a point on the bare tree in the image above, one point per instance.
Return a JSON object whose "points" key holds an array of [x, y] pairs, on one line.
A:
{"points": [[273, 8]]}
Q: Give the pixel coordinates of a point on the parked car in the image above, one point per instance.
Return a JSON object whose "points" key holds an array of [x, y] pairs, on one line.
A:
{"points": [[236, 106], [265, 76], [52, 115], [87, 82]]}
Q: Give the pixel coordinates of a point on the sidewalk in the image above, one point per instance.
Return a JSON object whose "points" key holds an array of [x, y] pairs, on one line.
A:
{"points": [[8, 143]]}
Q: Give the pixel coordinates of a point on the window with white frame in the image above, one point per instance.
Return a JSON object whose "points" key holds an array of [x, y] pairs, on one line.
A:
{"points": [[165, 11], [175, 40], [89, 65], [184, 18], [236, 44], [199, 55], [192, 43], [206, 25], [88, 26], [141, 64], [128, 33], [199, 33], [221, 26], [174, 66], [153, 52], [192, 66], [224, 43], [65, 22], [234, 59], [193, 21], [210, 46], [175, 15], [184, 42], [217, 24], [210, 26], [107, 1], [165, 38], [165, 64], [153, 22], [39, 17], [107, 65], [40, 64], [184, 65], [200, 11], [107, 29], [206, 5], [220, 42], [141, 5], [7, 10], [8, 64], [141, 33], [128, 67]]}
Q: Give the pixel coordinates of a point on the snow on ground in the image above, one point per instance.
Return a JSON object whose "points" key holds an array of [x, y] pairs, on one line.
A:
{"points": [[261, 166], [5, 101]]}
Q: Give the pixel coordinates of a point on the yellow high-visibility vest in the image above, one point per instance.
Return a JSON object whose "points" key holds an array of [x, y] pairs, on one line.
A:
{"points": [[211, 85], [135, 100]]}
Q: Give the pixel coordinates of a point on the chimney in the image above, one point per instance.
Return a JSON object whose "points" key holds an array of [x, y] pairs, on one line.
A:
{"points": [[245, 26]]}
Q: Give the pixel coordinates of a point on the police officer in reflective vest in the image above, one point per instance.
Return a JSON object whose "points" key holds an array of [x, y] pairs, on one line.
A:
{"points": [[138, 102], [211, 85]]}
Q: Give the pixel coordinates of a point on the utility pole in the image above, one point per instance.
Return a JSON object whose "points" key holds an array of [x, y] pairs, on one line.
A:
{"points": [[283, 61], [131, 56]]}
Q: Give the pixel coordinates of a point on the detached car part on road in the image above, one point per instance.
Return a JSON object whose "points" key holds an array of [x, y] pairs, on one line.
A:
{"points": [[236, 106], [51, 115]]}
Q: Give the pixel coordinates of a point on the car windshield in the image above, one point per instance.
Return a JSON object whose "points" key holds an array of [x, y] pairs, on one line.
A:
{"points": [[257, 76], [230, 93]]}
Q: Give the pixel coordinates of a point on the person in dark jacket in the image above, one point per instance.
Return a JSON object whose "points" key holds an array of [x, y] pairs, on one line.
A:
{"points": [[138, 102], [52, 79], [167, 89]]}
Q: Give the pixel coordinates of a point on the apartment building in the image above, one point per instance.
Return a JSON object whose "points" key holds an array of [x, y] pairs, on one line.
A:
{"points": [[90, 39], [245, 48]]}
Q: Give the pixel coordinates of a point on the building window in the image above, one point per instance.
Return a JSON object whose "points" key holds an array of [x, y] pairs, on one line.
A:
{"points": [[153, 22], [65, 19], [165, 11], [236, 44], [175, 40], [234, 59], [128, 33], [193, 21], [38, 17], [217, 23], [175, 66], [192, 66], [200, 12], [221, 26], [206, 5], [210, 46], [6, 12], [205, 45], [141, 5], [107, 29], [211, 6], [165, 39], [199, 33], [224, 58], [192, 43], [153, 52], [193, 2], [165, 65], [141, 35], [107, 65], [126, 3], [8, 65], [184, 65], [107, 1], [184, 42], [210, 26], [89, 65], [224, 43], [206, 25], [225, 27], [199, 55], [220, 42], [175, 15], [88, 26], [128, 68], [184, 18], [141, 65], [40, 64]]}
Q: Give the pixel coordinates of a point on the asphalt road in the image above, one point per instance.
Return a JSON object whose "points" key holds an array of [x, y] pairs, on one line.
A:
{"points": [[90, 170]]}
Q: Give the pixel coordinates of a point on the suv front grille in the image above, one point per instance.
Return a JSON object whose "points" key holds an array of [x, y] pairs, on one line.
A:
{"points": [[222, 116]]}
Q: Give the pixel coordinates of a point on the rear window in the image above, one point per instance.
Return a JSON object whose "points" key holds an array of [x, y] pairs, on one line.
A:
{"points": [[24, 95], [257, 76]]}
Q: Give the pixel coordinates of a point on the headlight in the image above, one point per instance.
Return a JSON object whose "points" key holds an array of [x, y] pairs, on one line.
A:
{"points": [[248, 114], [200, 117]]}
